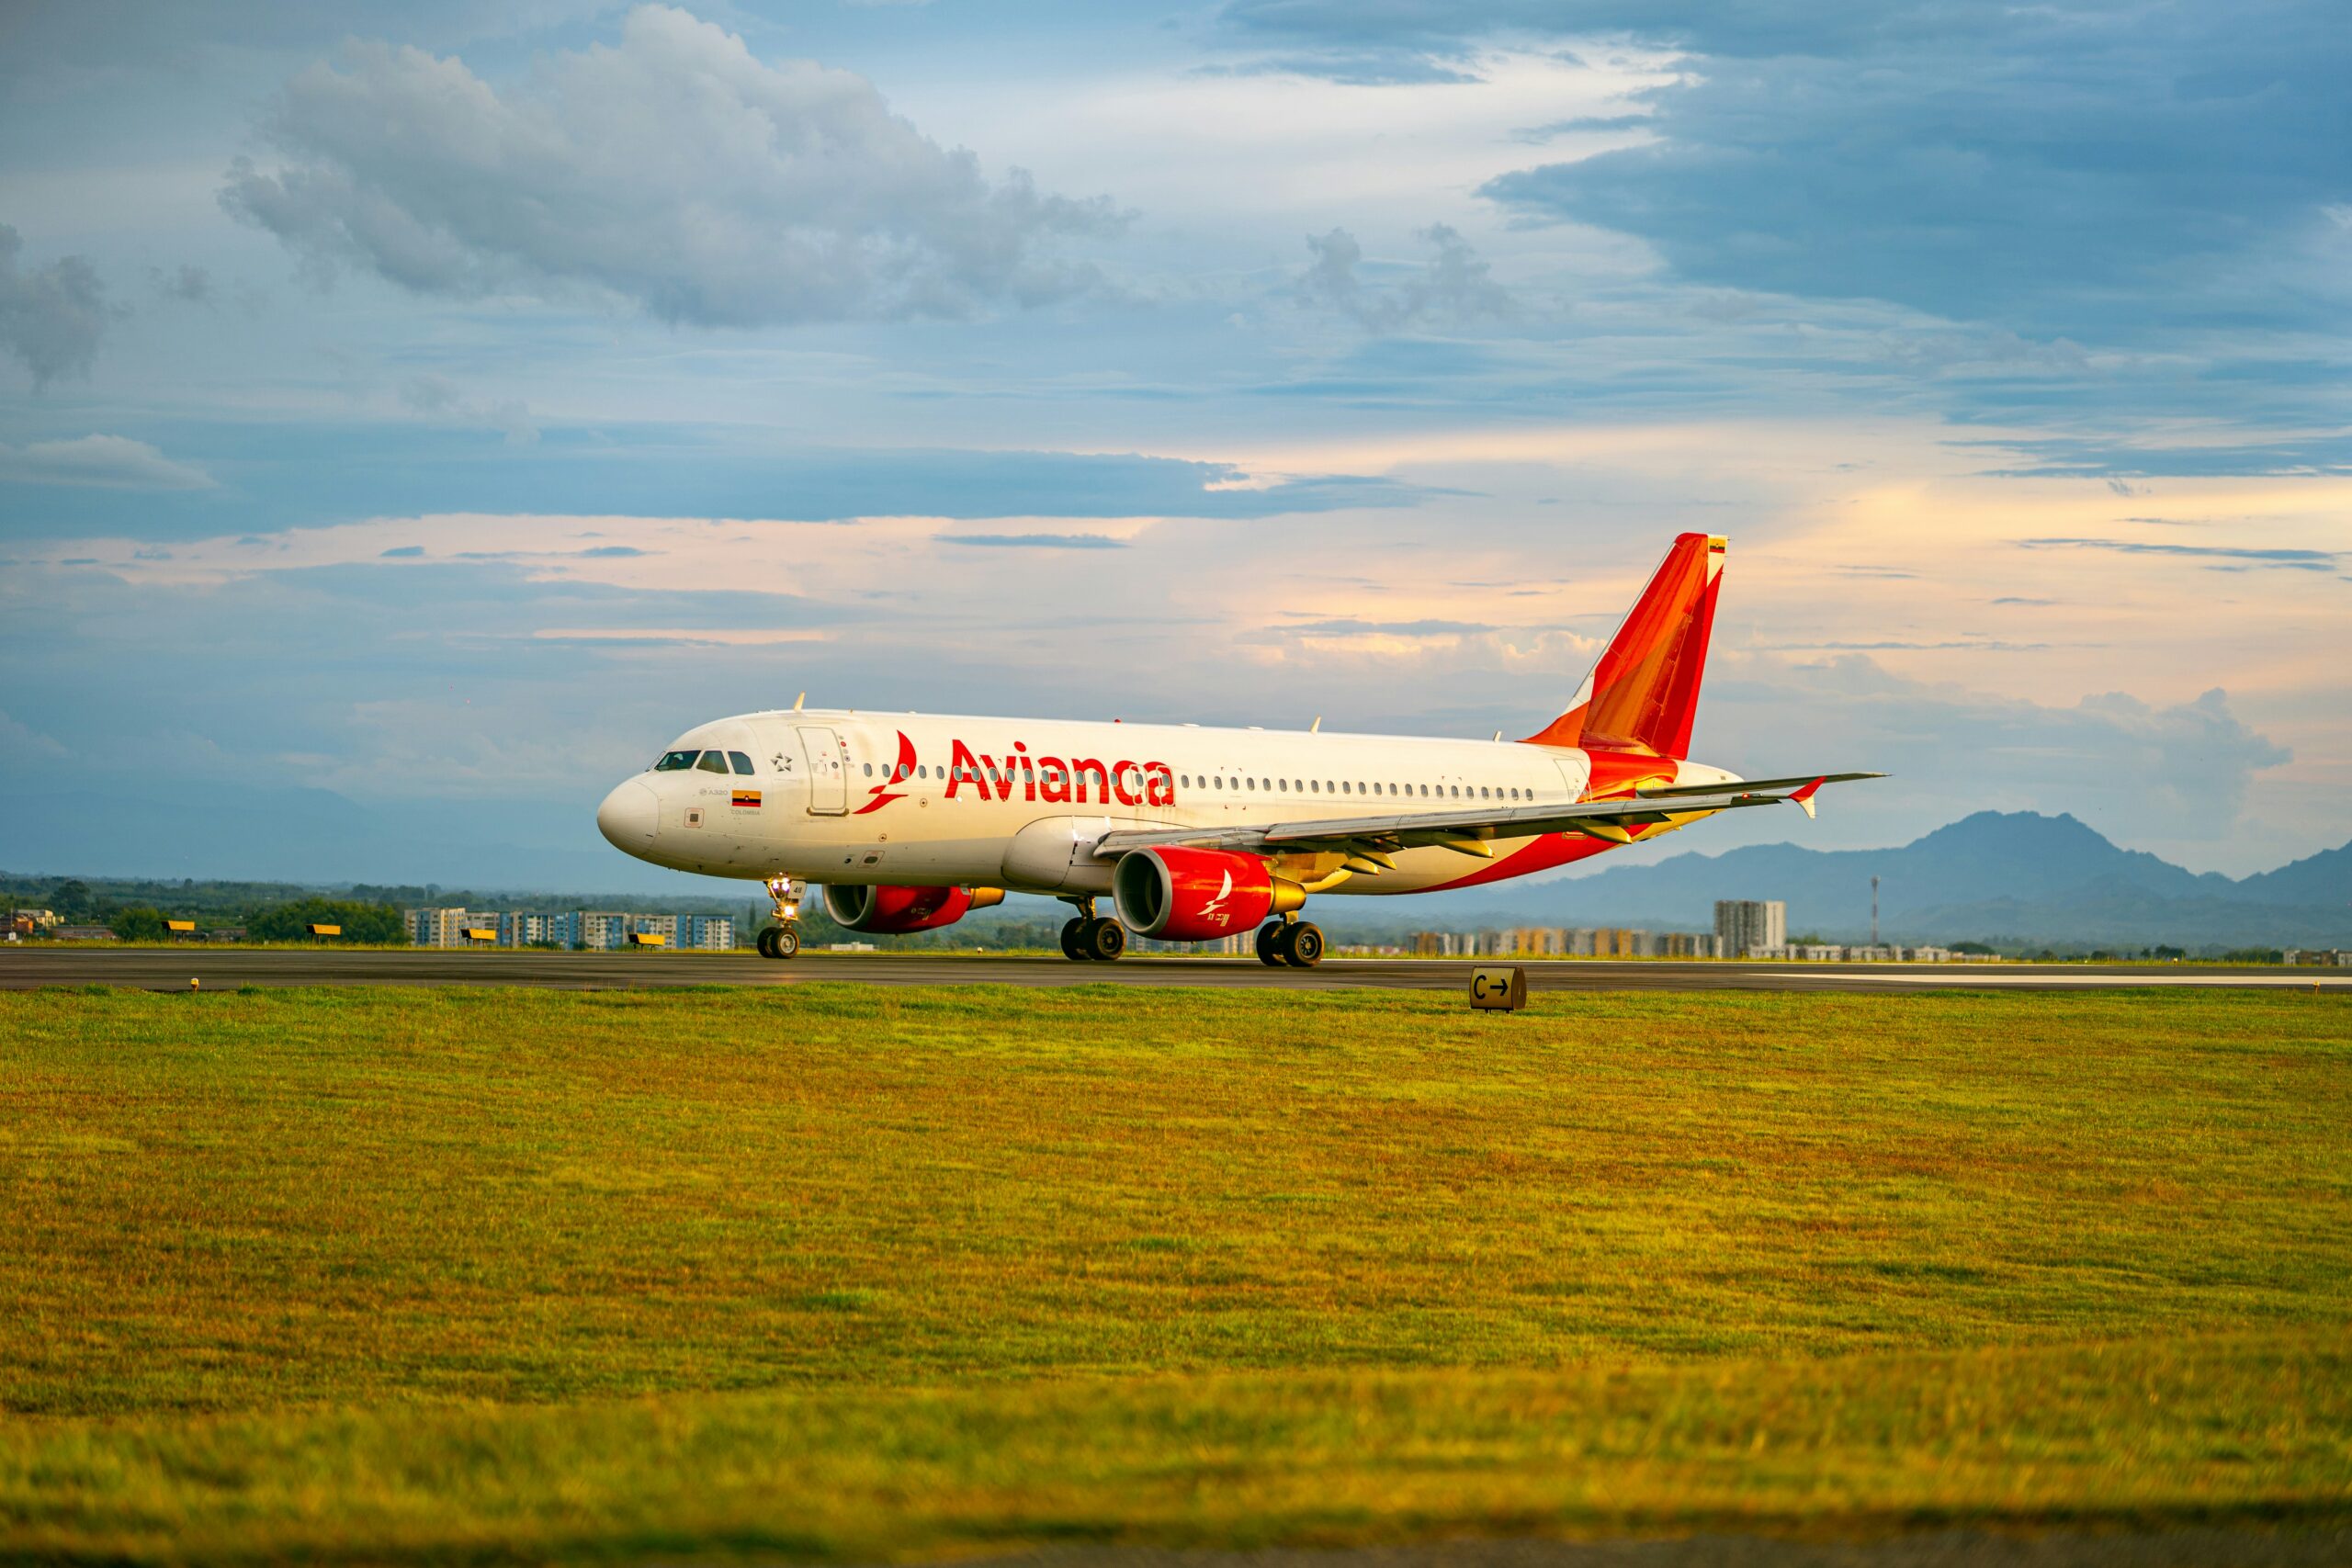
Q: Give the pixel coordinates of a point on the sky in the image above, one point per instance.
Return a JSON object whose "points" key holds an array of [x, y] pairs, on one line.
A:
{"points": [[442, 405]]}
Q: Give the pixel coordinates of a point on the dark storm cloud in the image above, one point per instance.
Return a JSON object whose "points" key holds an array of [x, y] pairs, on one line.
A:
{"points": [[2089, 169], [673, 169]]}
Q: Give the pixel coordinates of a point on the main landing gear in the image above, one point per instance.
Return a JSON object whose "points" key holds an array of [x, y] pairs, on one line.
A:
{"points": [[782, 939], [1089, 935], [1298, 943]]}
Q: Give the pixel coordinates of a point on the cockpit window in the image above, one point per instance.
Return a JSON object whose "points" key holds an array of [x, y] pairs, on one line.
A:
{"points": [[742, 763], [673, 761], [713, 762]]}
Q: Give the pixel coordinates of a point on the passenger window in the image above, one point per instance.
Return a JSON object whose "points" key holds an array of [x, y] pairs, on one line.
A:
{"points": [[869, 769], [742, 763], [713, 762], [673, 761]]}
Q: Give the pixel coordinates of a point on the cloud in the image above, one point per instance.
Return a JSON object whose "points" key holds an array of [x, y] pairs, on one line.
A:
{"points": [[402, 552], [1351, 628], [1453, 285], [105, 462], [187, 285], [23, 740], [437, 397], [1367, 68], [2229, 558], [2097, 171], [1538, 134], [1038, 541], [673, 169], [51, 319], [2146, 771]]}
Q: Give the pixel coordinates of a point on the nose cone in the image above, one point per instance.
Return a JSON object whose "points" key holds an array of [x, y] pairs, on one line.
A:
{"points": [[628, 817]]}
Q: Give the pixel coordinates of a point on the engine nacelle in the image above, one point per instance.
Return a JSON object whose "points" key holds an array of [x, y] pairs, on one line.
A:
{"points": [[894, 911], [1183, 894]]}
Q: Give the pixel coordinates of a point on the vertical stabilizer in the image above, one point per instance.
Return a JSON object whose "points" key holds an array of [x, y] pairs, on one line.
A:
{"points": [[1643, 693]]}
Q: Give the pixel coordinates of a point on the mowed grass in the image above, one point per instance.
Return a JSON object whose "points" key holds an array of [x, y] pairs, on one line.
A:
{"points": [[840, 1272]]}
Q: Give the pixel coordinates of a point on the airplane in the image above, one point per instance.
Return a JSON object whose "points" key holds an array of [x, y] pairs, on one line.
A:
{"points": [[911, 821]]}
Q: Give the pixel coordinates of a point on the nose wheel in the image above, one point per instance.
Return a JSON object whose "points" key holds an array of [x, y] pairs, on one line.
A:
{"points": [[1295, 943], [782, 939]]}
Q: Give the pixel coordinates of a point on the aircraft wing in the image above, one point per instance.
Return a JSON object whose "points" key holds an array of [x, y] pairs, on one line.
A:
{"points": [[1469, 831]]}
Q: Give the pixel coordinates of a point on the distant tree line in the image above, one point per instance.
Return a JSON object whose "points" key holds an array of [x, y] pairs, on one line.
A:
{"points": [[137, 911]]}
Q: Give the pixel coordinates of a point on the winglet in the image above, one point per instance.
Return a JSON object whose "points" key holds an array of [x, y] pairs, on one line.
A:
{"points": [[1803, 797]]}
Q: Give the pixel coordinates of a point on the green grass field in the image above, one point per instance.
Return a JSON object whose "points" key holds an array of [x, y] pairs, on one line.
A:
{"points": [[847, 1272]]}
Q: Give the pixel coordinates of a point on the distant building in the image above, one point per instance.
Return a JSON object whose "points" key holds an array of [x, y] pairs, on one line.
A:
{"points": [[1609, 941], [522, 928], [1744, 927], [439, 928], [1686, 944], [605, 928], [84, 933], [708, 933], [598, 929]]}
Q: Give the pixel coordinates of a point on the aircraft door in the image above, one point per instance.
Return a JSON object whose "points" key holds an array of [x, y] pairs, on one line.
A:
{"points": [[828, 775]]}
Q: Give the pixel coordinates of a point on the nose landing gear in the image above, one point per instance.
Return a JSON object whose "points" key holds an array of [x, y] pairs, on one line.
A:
{"points": [[1090, 936], [782, 939]]}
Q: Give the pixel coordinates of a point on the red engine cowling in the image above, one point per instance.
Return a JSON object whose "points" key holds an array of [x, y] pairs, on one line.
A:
{"points": [[1183, 895], [894, 911]]}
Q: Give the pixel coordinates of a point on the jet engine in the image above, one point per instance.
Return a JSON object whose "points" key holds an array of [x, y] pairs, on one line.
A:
{"points": [[894, 911], [1183, 895]]}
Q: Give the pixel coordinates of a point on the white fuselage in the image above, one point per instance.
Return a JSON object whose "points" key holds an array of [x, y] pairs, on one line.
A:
{"points": [[920, 799]]}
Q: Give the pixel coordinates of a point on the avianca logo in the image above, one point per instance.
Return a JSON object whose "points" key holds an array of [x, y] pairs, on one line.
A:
{"points": [[900, 771], [1215, 909], [1074, 781]]}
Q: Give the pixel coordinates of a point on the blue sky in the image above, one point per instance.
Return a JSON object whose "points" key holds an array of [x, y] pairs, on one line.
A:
{"points": [[441, 405]]}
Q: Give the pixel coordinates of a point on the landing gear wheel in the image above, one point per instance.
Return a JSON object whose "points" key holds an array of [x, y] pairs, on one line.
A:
{"points": [[1302, 945], [778, 941], [765, 941], [1270, 944], [1103, 938], [1071, 948]]}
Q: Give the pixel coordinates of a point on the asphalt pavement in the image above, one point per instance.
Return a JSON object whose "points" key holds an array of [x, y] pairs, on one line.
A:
{"points": [[174, 968]]}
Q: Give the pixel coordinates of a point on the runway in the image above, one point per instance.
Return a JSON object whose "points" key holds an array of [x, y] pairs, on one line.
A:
{"points": [[174, 968]]}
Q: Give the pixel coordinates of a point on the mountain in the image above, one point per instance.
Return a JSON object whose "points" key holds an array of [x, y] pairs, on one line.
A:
{"points": [[1994, 874]]}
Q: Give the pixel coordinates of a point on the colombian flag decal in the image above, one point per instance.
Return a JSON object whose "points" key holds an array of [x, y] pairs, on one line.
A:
{"points": [[747, 797]]}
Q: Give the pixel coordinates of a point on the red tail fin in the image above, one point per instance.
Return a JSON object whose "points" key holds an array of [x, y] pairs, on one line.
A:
{"points": [[1643, 691]]}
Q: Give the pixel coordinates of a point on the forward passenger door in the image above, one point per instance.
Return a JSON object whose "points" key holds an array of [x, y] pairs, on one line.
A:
{"points": [[828, 775]]}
